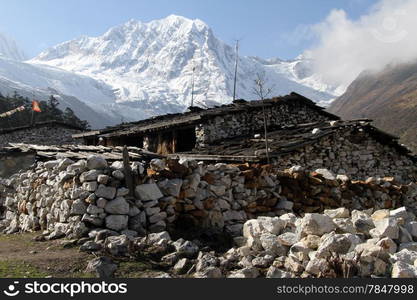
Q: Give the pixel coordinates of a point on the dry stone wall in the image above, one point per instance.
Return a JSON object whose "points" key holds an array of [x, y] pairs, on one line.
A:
{"points": [[45, 135], [352, 153], [67, 198], [244, 123]]}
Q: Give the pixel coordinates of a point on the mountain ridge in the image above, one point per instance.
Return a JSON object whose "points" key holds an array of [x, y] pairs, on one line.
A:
{"points": [[389, 97]]}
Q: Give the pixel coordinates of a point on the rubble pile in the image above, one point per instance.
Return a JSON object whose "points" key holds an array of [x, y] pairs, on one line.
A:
{"points": [[336, 243]]}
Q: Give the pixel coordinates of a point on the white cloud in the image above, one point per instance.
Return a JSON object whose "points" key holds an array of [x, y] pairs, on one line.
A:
{"points": [[388, 34]]}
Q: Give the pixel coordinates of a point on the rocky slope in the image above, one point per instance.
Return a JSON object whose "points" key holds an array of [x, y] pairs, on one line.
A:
{"points": [[388, 97]]}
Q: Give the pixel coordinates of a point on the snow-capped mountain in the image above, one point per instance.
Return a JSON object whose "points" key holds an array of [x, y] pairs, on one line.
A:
{"points": [[40, 83], [151, 65], [138, 70], [9, 49]]}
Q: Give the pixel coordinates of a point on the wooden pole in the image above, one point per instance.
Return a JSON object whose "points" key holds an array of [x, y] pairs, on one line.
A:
{"points": [[266, 134], [128, 171], [236, 63]]}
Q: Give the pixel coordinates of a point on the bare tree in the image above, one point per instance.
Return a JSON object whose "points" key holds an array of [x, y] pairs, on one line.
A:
{"points": [[262, 90]]}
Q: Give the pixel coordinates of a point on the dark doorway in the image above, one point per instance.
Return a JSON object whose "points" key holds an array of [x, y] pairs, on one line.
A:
{"points": [[133, 141], [186, 139]]}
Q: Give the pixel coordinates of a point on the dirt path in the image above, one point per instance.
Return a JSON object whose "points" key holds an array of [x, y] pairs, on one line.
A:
{"points": [[22, 257]]}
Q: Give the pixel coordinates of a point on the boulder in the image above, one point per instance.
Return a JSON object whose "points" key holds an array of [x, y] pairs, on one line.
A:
{"points": [[117, 245], [96, 162], [147, 192], [182, 266], [274, 272], [171, 187], [327, 174], [405, 256], [387, 227], [316, 224], [103, 267], [118, 206], [119, 175], [107, 192], [116, 222], [403, 270], [334, 243], [91, 175], [341, 212], [78, 208]]}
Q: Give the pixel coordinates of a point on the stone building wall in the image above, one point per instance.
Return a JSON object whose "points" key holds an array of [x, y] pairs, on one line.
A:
{"points": [[45, 135], [355, 154], [11, 164], [244, 123], [69, 198]]}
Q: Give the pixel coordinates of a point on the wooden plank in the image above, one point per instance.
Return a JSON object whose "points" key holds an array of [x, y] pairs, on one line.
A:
{"points": [[84, 134], [208, 157]]}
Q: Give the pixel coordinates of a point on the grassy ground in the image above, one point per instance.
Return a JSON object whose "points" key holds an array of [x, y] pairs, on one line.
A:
{"points": [[22, 257]]}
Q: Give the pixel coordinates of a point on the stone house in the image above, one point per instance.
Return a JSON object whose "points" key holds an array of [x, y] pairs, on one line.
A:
{"points": [[42, 133], [299, 133], [198, 127], [45, 133]]}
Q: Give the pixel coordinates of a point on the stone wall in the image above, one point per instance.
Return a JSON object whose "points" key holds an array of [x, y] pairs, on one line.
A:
{"points": [[45, 135], [355, 154], [68, 198], [250, 122]]}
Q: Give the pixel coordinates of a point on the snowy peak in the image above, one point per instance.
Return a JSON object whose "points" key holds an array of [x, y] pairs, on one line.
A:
{"points": [[156, 67], [9, 49]]}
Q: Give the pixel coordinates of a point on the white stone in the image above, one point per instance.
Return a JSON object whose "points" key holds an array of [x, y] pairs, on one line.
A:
{"points": [[287, 239], [91, 175], [336, 243], [147, 192], [403, 270], [405, 256], [96, 162], [326, 174], [341, 212], [274, 272], [387, 227], [103, 179], [316, 224], [399, 213]]}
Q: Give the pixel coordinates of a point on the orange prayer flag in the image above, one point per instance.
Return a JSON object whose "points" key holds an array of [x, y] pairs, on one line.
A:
{"points": [[35, 106]]}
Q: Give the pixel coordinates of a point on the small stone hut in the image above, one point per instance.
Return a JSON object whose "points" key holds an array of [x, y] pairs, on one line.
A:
{"points": [[198, 127]]}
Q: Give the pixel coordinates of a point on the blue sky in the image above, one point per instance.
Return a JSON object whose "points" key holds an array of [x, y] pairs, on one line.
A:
{"points": [[266, 27]]}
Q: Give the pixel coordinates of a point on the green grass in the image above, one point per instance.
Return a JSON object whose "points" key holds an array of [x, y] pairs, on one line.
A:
{"points": [[19, 269], [133, 269]]}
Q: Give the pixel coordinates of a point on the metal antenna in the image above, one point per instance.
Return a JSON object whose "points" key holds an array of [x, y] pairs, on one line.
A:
{"points": [[236, 63], [192, 87]]}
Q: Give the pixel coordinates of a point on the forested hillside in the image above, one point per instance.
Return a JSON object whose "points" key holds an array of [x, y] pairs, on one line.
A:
{"points": [[49, 112]]}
